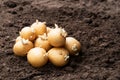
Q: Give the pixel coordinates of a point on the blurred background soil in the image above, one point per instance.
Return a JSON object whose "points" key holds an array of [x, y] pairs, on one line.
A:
{"points": [[95, 23]]}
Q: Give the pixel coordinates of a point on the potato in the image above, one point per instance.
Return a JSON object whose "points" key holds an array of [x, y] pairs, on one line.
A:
{"points": [[58, 56], [37, 57]]}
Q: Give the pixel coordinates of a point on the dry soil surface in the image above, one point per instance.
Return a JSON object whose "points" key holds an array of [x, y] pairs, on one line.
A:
{"points": [[95, 23]]}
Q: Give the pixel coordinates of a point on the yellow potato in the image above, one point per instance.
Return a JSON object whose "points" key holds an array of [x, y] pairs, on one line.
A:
{"points": [[21, 47], [37, 57], [58, 56]]}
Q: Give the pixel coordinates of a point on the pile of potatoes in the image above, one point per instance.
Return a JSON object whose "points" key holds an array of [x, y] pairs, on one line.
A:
{"points": [[42, 44]]}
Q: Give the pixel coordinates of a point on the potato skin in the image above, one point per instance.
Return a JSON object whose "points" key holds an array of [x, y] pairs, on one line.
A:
{"points": [[18, 39]]}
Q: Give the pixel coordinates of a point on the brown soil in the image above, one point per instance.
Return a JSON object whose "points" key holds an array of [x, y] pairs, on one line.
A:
{"points": [[95, 23]]}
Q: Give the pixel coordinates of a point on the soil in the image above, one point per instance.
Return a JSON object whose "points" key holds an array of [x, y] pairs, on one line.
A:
{"points": [[95, 23]]}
